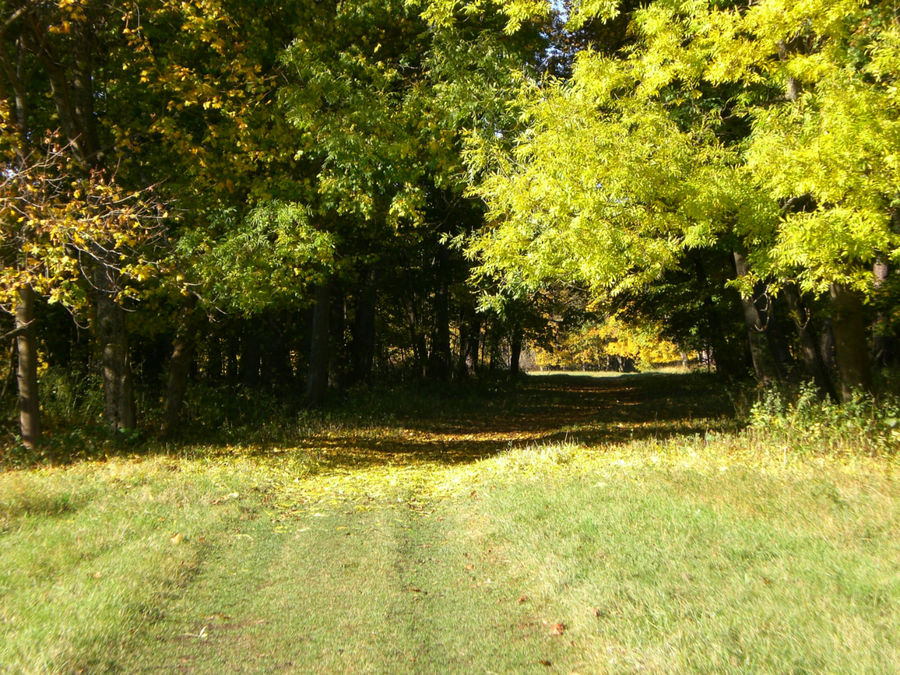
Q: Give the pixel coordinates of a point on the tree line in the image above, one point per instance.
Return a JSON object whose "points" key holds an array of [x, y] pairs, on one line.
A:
{"points": [[310, 194]]}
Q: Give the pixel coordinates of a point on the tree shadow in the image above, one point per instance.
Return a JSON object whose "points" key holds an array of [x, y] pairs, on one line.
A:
{"points": [[455, 426], [544, 409]]}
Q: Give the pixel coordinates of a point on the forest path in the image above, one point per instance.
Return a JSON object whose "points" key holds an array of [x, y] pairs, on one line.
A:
{"points": [[543, 408], [381, 561]]}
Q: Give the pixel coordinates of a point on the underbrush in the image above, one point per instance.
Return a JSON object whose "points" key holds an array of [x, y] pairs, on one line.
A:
{"points": [[809, 425]]}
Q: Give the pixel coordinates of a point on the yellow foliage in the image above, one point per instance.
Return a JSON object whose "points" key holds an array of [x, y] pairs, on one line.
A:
{"points": [[591, 346]]}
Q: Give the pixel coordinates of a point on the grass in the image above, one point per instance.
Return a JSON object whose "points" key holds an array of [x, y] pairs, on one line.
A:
{"points": [[574, 524]]}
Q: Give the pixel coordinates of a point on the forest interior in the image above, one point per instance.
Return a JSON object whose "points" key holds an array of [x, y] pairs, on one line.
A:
{"points": [[449, 335]]}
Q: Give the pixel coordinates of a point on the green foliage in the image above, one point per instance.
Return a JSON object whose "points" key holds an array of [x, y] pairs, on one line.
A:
{"points": [[268, 258], [806, 424], [57, 223], [237, 412], [633, 190], [71, 398], [771, 128], [445, 13]]}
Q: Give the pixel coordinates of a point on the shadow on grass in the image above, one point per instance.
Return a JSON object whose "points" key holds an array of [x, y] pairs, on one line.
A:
{"points": [[459, 424], [541, 410]]}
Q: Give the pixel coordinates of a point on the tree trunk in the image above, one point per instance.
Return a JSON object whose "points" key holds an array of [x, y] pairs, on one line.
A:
{"points": [[779, 349], [728, 364], [809, 351], [232, 351], [250, 354], [26, 374], [363, 346], [440, 357], [339, 365], [213, 353], [754, 325], [118, 391], [851, 348], [317, 380], [826, 346], [276, 362], [183, 349], [884, 347], [469, 340], [515, 349]]}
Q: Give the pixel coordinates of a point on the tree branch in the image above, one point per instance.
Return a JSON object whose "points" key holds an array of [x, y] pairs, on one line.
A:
{"points": [[17, 331]]}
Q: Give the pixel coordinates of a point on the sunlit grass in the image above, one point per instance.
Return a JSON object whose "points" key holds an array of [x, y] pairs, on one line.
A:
{"points": [[616, 541]]}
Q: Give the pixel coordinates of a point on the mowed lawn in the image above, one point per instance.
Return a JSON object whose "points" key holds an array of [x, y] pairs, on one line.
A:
{"points": [[574, 524]]}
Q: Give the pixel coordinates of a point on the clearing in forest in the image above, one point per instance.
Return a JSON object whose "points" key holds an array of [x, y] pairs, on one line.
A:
{"points": [[568, 524]]}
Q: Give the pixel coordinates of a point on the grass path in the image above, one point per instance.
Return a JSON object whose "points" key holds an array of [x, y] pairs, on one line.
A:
{"points": [[572, 525], [388, 590]]}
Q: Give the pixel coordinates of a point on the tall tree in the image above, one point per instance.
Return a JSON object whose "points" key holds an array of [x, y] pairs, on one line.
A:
{"points": [[706, 132]]}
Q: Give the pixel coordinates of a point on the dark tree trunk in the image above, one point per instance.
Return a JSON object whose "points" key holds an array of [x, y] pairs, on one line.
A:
{"points": [[276, 362], [319, 353], [728, 364], [809, 351], [183, 349], [469, 341], [884, 343], [755, 325], [26, 373], [232, 350], [779, 348], [118, 391], [440, 357], [850, 345], [515, 350], [363, 345], [339, 367], [74, 95], [826, 346], [473, 348], [213, 345], [250, 355], [416, 333]]}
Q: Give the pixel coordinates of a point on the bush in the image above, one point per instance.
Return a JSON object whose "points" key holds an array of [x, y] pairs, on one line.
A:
{"points": [[70, 398], [808, 424]]}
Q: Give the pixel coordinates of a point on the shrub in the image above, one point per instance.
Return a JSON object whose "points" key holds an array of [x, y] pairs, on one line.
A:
{"points": [[863, 425]]}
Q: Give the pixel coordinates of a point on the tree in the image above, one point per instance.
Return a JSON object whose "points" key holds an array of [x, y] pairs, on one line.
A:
{"points": [[381, 101], [697, 137], [53, 48], [54, 229]]}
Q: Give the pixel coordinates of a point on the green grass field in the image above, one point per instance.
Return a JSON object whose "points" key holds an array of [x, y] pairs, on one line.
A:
{"points": [[572, 524]]}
